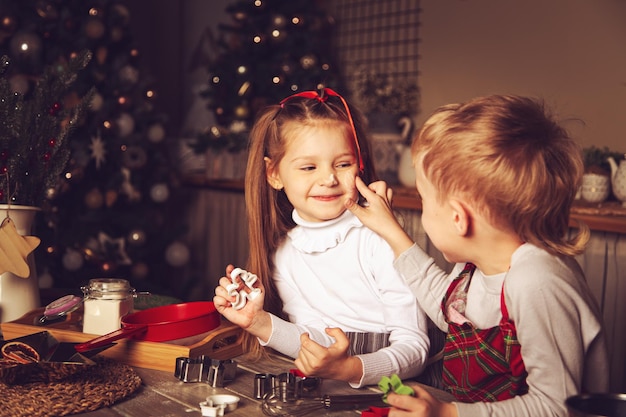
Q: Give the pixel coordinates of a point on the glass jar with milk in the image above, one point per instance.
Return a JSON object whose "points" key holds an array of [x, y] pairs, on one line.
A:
{"points": [[106, 301]]}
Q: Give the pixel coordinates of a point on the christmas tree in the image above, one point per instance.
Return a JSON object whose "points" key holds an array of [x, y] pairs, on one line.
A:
{"points": [[34, 130], [114, 211], [270, 50]]}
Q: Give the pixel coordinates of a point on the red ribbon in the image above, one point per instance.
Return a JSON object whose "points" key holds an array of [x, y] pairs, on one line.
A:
{"points": [[322, 98]]}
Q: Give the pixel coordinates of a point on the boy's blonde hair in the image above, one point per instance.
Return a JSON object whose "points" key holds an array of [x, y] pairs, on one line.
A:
{"points": [[512, 160]]}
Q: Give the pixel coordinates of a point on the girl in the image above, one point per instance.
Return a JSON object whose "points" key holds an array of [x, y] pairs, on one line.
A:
{"points": [[351, 317], [497, 177]]}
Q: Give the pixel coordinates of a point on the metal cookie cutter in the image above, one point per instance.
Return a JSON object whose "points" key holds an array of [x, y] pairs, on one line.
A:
{"points": [[242, 287], [204, 369], [287, 386]]}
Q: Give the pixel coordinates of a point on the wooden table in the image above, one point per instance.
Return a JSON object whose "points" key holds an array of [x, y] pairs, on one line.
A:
{"points": [[164, 395]]}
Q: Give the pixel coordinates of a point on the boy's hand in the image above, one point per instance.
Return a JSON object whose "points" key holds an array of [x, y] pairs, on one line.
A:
{"points": [[422, 404], [378, 215], [332, 362]]}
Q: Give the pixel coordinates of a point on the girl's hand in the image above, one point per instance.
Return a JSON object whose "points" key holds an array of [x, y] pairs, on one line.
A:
{"points": [[251, 317], [332, 362], [378, 215], [421, 405]]}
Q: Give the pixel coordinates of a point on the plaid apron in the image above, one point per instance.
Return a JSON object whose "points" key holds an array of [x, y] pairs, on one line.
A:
{"points": [[480, 364]]}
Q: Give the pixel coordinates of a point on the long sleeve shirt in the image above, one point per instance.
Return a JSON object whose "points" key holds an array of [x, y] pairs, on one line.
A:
{"points": [[557, 320], [340, 274]]}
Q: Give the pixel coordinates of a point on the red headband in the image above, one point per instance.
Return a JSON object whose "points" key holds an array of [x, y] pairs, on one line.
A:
{"points": [[322, 98]]}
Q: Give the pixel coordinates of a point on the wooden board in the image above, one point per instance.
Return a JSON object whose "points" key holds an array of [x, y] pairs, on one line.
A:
{"points": [[221, 343]]}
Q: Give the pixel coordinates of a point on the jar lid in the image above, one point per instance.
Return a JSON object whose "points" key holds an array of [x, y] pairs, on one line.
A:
{"points": [[61, 306], [107, 285]]}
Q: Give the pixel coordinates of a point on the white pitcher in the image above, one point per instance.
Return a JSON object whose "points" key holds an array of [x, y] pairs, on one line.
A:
{"points": [[18, 295], [406, 173], [618, 179]]}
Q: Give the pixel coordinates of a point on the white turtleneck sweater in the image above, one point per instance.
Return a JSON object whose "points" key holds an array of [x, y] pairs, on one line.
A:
{"points": [[339, 273]]}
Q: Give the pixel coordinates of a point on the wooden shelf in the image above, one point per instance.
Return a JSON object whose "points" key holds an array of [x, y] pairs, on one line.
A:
{"points": [[609, 216]]}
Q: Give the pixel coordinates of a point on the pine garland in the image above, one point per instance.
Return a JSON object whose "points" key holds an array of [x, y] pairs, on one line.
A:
{"points": [[35, 130]]}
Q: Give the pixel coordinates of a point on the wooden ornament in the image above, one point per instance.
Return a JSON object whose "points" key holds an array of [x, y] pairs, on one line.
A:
{"points": [[14, 249]]}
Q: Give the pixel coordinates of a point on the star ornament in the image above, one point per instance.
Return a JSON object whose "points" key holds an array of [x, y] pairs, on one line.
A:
{"points": [[98, 151], [14, 249], [114, 249]]}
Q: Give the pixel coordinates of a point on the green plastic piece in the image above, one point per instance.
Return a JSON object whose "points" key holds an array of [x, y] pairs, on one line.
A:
{"points": [[393, 384]]}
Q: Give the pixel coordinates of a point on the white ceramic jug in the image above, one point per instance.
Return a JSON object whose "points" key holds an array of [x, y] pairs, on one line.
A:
{"points": [[618, 179], [406, 174], [18, 295]]}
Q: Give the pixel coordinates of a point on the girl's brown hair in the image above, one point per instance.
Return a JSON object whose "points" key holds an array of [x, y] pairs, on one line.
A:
{"points": [[510, 157], [268, 210]]}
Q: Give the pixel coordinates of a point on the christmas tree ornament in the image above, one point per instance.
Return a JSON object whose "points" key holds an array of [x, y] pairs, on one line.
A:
{"points": [[156, 133], [46, 10], [129, 74], [55, 108], [45, 279], [125, 124], [113, 249], [94, 29], [134, 157], [128, 188], [14, 249], [94, 199], [177, 254], [72, 260], [110, 197], [98, 150], [159, 193]]}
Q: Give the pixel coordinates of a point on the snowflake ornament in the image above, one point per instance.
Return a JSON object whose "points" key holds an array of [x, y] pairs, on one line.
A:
{"points": [[98, 151]]}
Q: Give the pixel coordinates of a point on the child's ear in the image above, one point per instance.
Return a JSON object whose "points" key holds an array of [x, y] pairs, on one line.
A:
{"points": [[272, 176], [461, 217]]}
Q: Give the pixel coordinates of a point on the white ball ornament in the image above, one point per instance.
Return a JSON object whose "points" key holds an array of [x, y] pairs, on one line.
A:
{"points": [[45, 279], [129, 74], [125, 124], [72, 260], [177, 254], [159, 193], [156, 133]]}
